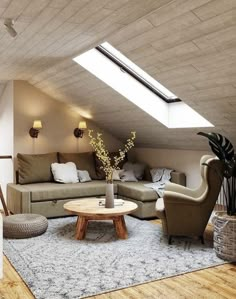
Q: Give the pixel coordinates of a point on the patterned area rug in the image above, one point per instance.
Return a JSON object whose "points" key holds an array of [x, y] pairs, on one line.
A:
{"points": [[57, 266]]}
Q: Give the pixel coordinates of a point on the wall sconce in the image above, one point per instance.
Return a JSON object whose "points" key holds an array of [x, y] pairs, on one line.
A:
{"points": [[79, 132], [37, 125]]}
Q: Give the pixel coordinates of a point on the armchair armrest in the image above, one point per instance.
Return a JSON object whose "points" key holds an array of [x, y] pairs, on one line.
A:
{"points": [[175, 198], [179, 189]]}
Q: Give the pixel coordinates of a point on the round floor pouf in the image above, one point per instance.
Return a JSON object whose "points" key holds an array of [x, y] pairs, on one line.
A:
{"points": [[22, 226]]}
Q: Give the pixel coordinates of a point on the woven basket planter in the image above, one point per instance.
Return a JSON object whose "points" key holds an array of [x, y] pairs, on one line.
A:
{"points": [[225, 236]]}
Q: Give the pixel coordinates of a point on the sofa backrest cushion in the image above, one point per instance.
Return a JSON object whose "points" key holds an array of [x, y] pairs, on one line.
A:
{"points": [[35, 168], [83, 161], [138, 169], [147, 174], [100, 173]]}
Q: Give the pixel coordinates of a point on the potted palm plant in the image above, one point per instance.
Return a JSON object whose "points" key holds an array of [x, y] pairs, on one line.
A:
{"points": [[225, 221]]}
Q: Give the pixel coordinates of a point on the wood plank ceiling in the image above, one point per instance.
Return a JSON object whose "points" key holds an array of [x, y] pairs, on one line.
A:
{"points": [[187, 45]]}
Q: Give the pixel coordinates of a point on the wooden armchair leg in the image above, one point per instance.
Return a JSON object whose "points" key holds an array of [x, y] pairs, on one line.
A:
{"points": [[169, 240]]}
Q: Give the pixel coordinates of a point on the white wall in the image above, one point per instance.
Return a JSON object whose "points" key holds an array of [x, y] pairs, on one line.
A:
{"points": [[58, 120], [6, 135], [182, 160]]}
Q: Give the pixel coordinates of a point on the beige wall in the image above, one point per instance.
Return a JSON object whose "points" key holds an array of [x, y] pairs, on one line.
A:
{"points": [[6, 135], [182, 160], [58, 120]]}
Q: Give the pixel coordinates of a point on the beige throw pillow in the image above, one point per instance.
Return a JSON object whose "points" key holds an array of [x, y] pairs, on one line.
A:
{"points": [[83, 161], [138, 169], [128, 176], [65, 172], [116, 176]]}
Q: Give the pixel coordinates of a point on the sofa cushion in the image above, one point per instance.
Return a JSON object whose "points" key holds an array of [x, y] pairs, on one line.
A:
{"points": [[35, 168], [147, 175], [137, 190], [138, 169], [50, 191], [83, 161]]}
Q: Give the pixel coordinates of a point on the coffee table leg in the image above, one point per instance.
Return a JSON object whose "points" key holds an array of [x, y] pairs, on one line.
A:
{"points": [[81, 228], [120, 226]]}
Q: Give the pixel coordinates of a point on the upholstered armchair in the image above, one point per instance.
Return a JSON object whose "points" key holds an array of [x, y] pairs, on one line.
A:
{"points": [[185, 211]]}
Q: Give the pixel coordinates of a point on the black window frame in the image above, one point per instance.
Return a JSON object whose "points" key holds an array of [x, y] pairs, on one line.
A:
{"points": [[125, 68]]}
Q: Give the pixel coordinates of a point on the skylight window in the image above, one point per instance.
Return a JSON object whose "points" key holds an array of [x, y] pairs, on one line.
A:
{"points": [[137, 73], [117, 71]]}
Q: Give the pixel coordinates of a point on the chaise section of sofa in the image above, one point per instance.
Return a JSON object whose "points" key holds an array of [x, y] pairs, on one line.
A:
{"points": [[145, 197], [47, 197]]}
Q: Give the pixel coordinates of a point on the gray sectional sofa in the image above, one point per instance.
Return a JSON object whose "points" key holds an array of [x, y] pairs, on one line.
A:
{"points": [[36, 192]]}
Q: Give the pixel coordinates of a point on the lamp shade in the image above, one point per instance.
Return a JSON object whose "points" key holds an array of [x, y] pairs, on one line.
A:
{"points": [[37, 124], [82, 125]]}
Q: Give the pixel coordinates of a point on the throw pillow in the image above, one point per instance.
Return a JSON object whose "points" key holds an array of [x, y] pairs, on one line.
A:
{"points": [[83, 176], [116, 176], [65, 173], [160, 174], [138, 169], [35, 168], [128, 176], [83, 161]]}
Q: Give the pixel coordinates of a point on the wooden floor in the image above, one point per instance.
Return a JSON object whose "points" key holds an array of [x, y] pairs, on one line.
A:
{"points": [[217, 282]]}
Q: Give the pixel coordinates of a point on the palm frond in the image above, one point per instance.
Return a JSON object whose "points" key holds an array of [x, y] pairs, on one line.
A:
{"points": [[220, 145]]}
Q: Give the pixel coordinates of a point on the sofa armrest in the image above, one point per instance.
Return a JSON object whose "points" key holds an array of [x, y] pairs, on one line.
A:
{"points": [[18, 199], [178, 178]]}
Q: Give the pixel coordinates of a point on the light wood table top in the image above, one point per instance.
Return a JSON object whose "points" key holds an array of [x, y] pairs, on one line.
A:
{"points": [[90, 207]]}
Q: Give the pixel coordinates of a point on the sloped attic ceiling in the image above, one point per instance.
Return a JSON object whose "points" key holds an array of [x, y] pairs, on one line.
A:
{"points": [[2, 86], [189, 46]]}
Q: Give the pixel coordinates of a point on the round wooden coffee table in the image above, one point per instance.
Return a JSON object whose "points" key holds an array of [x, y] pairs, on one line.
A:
{"points": [[89, 209]]}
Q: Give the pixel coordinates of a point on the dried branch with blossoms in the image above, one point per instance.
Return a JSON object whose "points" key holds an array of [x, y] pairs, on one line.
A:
{"points": [[109, 164]]}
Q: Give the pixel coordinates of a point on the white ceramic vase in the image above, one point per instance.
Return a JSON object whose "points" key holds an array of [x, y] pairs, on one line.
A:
{"points": [[109, 203]]}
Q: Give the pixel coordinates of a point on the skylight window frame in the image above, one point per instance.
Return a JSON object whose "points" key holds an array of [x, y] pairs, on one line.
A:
{"points": [[127, 69], [172, 115]]}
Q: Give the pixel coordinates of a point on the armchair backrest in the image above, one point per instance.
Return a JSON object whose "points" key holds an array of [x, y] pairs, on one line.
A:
{"points": [[212, 175], [208, 173]]}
